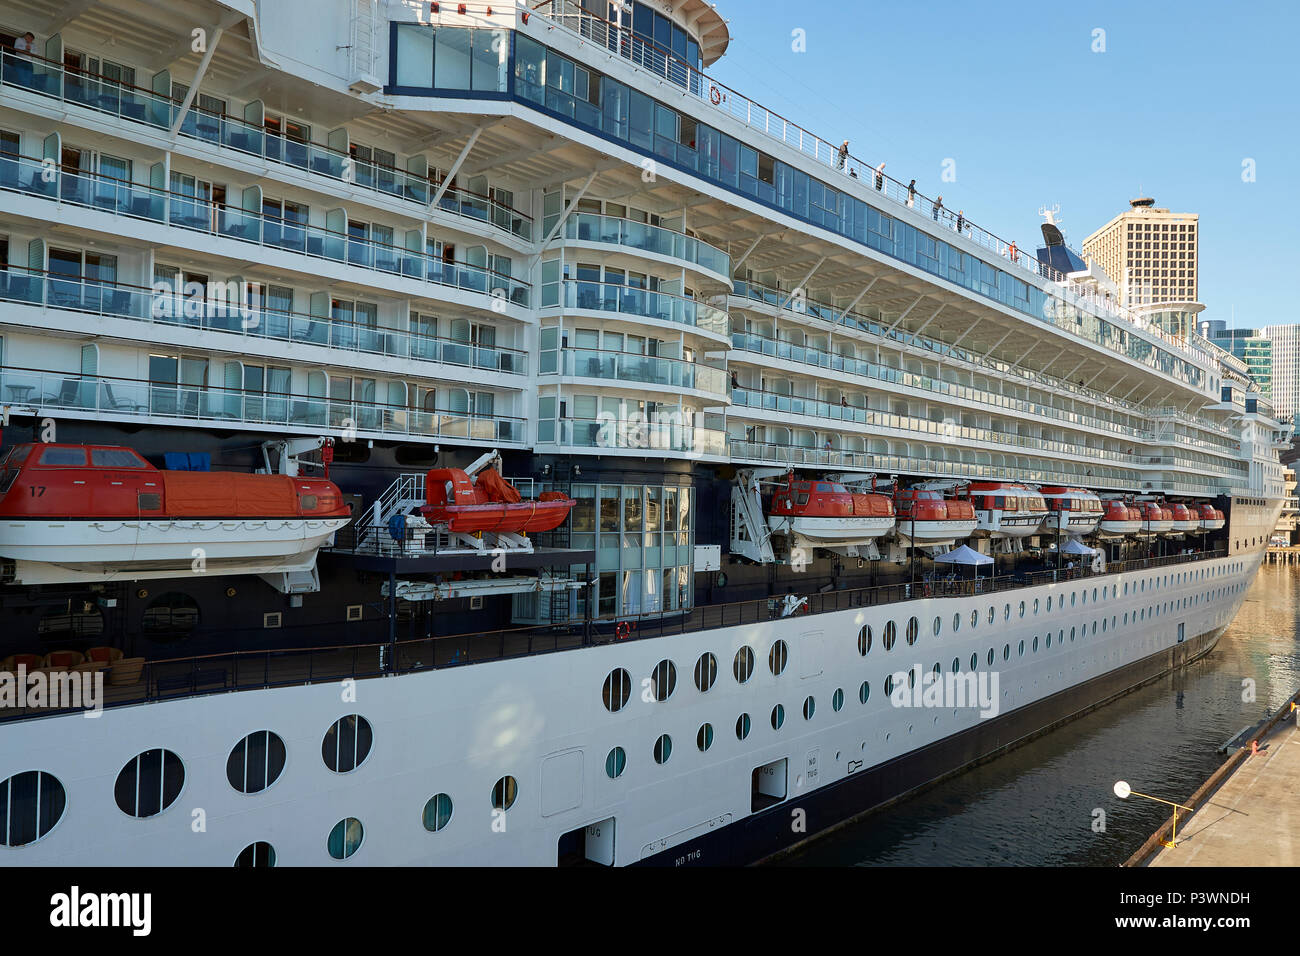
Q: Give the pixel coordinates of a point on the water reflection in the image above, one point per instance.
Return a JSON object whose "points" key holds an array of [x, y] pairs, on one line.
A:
{"points": [[1036, 806]]}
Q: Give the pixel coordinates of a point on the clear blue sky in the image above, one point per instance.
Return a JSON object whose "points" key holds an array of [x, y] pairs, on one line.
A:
{"points": [[1015, 95]]}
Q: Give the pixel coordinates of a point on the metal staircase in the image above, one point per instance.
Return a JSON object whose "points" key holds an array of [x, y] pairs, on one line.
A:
{"points": [[402, 497]]}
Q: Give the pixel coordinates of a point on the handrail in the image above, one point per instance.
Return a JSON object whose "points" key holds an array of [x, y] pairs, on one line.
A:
{"points": [[599, 296], [640, 235], [231, 671], [637, 368], [43, 388], [125, 198], [255, 140]]}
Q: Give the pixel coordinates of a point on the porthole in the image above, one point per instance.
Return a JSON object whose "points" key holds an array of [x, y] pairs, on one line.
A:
{"points": [[777, 658], [617, 690], [974, 662], [891, 635], [1048, 640], [956, 623], [504, 793], [615, 763], [345, 839], [1006, 613], [663, 680], [889, 684], [1094, 595], [706, 672], [743, 664], [1021, 651], [778, 717], [938, 625], [1034, 648], [911, 677], [1022, 609], [864, 692], [837, 700], [742, 726], [437, 809], [913, 630], [259, 854], [992, 656], [974, 618], [31, 803], [149, 783], [956, 664], [255, 762], [1073, 595], [809, 708], [1035, 605], [1006, 652], [704, 737], [992, 614], [347, 743], [864, 640], [1049, 605]]}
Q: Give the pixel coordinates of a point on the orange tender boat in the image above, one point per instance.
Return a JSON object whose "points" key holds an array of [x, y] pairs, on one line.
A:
{"points": [[488, 502]]}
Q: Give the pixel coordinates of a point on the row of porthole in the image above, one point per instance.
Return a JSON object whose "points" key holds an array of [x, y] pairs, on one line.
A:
{"points": [[617, 689]]}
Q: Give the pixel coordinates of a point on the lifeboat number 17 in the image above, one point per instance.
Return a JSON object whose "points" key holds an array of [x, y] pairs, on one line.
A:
{"points": [[38, 491]]}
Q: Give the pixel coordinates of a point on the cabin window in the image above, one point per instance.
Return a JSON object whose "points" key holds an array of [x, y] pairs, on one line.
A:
{"points": [[149, 783], [64, 456], [171, 616], [115, 458], [31, 803]]}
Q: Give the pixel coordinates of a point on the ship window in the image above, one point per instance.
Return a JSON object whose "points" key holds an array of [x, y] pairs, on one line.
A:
{"points": [[704, 737], [504, 793], [663, 680], [115, 458], [742, 726], [345, 839], [777, 657], [76, 620], [743, 664], [864, 692], [706, 672], [149, 501], [974, 618], [913, 630], [663, 748], [617, 689], [149, 783], [170, 617], [347, 743], [891, 635], [31, 803], [256, 854], [864, 640], [809, 708], [63, 456], [837, 700], [255, 762]]}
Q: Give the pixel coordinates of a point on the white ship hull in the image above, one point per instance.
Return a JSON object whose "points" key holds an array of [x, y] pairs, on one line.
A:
{"points": [[848, 530]]}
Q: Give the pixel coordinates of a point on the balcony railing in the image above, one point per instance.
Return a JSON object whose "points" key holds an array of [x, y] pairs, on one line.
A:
{"points": [[628, 300], [961, 394], [942, 431], [631, 435], [121, 198], [212, 404], [117, 300], [137, 105], [717, 96], [626, 367], [590, 227]]}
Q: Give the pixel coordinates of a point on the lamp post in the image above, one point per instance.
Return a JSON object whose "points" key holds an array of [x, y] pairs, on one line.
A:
{"points": [[1124, 791]]}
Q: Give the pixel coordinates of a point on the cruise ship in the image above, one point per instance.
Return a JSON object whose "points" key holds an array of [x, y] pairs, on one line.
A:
{"points": [[471, 434]]}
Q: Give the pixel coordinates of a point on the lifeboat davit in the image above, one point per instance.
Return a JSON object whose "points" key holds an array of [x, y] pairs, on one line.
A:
{"points": [[1211, 518], [1120, 519], [101, 512], [487, 502], [1156, 518], [1007, 509], [925, 518], [1185, 520], [828, 515], [1075, 511]]}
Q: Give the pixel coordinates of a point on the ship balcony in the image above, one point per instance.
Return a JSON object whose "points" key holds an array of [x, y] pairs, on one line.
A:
{"points": [[668, 374], [848, 459], [820, 414], [673, 248], [630, 436], [135, 105], [608, 300], [746, 344], [90, 396], [120, 301], [132, 201]]}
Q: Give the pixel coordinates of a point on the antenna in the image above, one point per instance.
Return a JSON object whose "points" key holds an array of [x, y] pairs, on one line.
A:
{"points": [[1051, 216]]}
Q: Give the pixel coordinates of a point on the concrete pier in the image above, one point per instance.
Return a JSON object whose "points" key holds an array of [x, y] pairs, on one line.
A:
{"points": [[1247, 814]]}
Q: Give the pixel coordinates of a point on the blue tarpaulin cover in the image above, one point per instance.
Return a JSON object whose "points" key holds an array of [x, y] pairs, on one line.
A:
{"points": [[187, 461]]}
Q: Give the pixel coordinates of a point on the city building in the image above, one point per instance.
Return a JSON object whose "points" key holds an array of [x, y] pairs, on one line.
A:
{"points": [[1149, 252], [1252, 346], [1285, 367]]}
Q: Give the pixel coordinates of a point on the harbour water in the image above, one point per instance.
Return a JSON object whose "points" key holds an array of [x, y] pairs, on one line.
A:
{"points": [[1038, 805]]}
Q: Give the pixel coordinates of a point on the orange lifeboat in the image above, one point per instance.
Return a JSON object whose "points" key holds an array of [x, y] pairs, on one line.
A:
{"points": [[100, 512], [1156, 519], [488, 502], [1120, 519], [927, 519], [1185, 521], [828, 514], [1211, 518]]}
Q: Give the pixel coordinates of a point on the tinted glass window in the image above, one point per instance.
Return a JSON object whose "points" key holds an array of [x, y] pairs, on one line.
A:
{"points": [[63, 456], [115, 458]]}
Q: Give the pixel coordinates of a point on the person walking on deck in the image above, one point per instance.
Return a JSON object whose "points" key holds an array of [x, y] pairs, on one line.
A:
{"points": [[911, 194], [938, 208]]}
